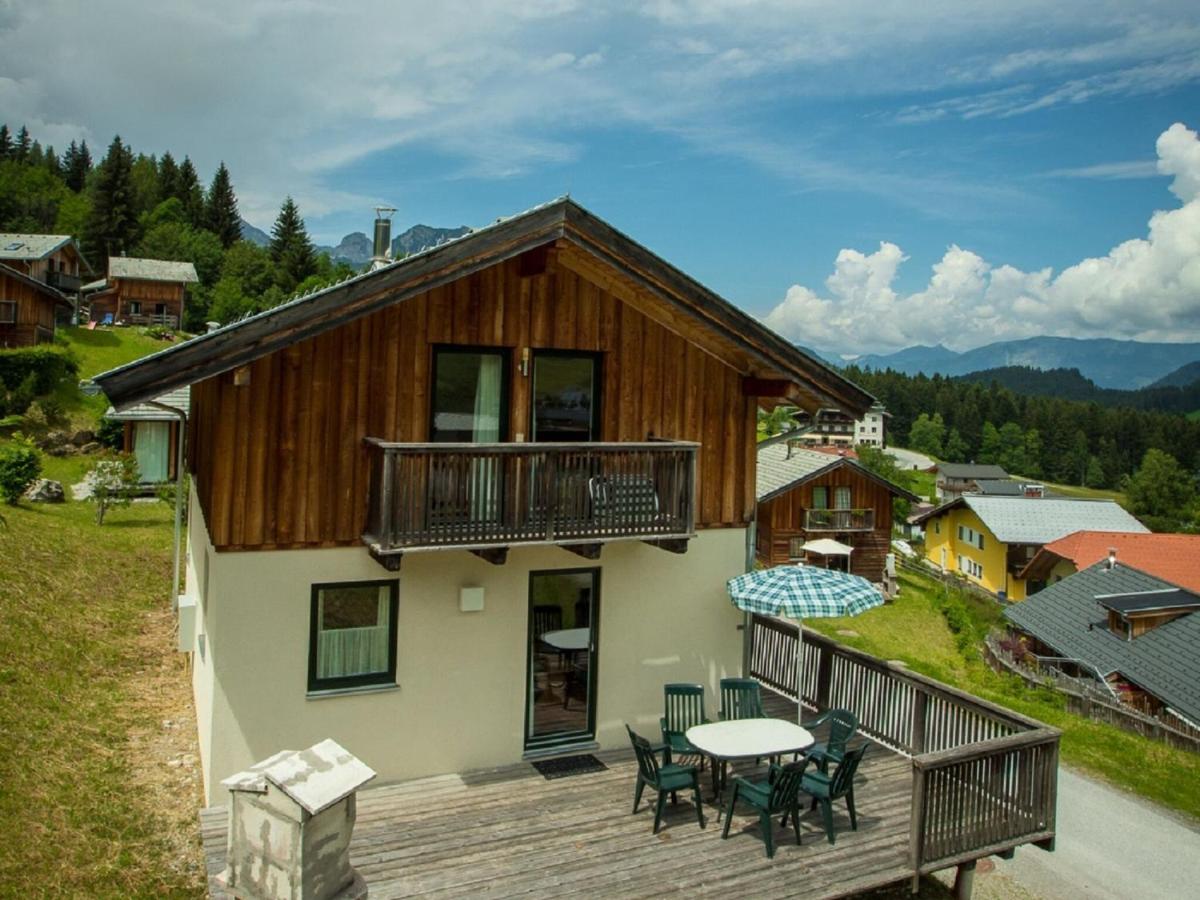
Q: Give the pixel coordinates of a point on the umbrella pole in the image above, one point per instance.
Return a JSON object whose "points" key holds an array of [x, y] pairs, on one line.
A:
{"points": [[799, 671]]}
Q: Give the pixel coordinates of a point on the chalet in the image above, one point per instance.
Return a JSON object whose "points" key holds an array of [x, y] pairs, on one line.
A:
{"points": [[990, 539], [141, 292], [1172, 557], [806, 496], [836, 428], [28, 309], [53, 259], [1136, 632], [152, 431], [956, 479], [476, 504]]}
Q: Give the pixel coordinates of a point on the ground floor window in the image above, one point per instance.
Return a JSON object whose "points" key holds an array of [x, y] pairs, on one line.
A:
{"points": [[352, 635]]}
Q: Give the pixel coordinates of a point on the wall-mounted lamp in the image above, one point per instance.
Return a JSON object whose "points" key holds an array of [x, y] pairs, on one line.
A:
{"points": [[525, 362]]}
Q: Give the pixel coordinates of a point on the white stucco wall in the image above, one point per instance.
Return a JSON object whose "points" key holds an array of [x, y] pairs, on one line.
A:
{"points": [[460, 700]]}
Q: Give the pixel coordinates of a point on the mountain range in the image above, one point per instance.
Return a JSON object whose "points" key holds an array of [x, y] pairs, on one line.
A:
{"points": [[1121, 365], [355, 248]]}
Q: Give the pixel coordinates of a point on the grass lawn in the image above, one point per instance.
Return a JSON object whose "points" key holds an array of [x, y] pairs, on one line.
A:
{"points": [[914, 631], [98, 781]]}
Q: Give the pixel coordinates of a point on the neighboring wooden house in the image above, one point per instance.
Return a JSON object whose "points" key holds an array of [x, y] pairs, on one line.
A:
{"points": [[956, 479], [53, 259], [152, 432], [28, 309], [990, 539], [804, 496], [141, 292], [1172, 557], [478, 503], [1136, 632]]}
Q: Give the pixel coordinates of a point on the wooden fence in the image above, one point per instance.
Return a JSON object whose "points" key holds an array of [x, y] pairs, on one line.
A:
{"points": [[984, 777]]}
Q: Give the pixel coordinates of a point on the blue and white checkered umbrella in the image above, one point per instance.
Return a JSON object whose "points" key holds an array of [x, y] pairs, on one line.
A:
{"points": [[803, 592]]}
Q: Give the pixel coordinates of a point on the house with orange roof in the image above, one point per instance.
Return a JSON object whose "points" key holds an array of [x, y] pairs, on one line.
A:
{"points": [[1171, 557]]}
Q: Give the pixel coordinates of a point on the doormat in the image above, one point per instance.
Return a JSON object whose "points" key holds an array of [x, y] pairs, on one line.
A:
{"points": [[565, 766]]}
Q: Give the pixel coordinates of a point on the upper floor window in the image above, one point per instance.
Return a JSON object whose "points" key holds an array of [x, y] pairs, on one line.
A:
{"points": [[841, 497], [820, 497], [470, 395]]}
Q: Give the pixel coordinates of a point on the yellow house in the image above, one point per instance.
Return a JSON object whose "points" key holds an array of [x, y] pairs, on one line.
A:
{"points": [[990, 539]]}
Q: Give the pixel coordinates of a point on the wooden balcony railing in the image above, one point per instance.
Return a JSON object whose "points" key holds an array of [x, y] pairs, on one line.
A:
{"points": [[984, 778], [479, 496], [839, 520], [66, 283]]}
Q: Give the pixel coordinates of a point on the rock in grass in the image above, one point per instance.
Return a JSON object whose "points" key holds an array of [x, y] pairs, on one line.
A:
{"points": [[45, 490]]}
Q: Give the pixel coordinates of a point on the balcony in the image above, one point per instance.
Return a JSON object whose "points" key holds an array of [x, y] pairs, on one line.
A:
{"points": [[488, 497], [68, 284], [839, 520]]}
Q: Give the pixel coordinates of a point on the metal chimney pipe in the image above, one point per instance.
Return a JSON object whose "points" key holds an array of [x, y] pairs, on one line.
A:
{"points": [[381, 250]]}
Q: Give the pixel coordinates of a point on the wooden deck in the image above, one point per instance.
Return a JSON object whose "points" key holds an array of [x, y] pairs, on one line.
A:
{"points": [[510, 832]]}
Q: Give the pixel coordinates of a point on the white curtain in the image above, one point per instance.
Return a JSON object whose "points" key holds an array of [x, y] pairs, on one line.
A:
{"points": [[342, 652], [485, 477], [151, 448]]}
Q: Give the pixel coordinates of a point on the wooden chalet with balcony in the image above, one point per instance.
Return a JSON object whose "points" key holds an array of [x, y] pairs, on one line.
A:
{"points": [[806, 495], [141, 292], [39, 277]]}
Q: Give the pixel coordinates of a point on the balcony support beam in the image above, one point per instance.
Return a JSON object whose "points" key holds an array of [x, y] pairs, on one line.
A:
{"points": [[390, 561], [497, 556], [587, 551], [671, 545]]}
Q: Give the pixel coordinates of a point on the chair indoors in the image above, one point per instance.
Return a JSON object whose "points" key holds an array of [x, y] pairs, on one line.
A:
{"points": [[824, 789], [683, 708], [842, 726], [780, 793], [667, 778]]}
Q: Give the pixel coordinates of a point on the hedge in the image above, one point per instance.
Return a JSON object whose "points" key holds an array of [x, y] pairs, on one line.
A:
{"points": [[48, 366]]}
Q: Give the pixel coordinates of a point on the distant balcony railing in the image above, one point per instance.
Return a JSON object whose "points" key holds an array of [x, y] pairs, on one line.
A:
{"points": [[479, 496], [839, 520], [167, 320], [67, 283]]}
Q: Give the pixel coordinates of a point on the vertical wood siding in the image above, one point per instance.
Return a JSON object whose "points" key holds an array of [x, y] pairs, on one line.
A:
{"points": [[280, 462]]}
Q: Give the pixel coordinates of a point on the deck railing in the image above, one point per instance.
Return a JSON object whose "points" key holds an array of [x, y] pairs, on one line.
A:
{"points": [[477, 496], [984, 777], [839, 520]]}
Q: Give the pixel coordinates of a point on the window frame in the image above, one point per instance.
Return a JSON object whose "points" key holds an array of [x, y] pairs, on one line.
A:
{"points": [[824, 504], [9, 304], [505, 354], [843, 490], [352, 682]]}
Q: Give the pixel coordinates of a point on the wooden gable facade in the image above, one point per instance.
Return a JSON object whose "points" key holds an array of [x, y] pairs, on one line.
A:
{"points": [[140, 302], [789, 518], [278, 447], [27, 309]]}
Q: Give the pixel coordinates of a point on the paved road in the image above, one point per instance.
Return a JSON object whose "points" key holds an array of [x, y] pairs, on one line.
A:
{"points": [[1110, 846], [908, 459]]}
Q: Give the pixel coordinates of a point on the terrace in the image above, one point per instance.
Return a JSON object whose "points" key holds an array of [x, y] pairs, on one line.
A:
{"points": [[949, 779]]}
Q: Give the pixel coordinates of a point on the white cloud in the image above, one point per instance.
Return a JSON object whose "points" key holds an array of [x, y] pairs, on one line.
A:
{"points": [[1114, 171], [1147, 288]]}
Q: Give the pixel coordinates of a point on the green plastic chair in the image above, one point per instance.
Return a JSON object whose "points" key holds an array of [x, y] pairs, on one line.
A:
{"points": [[824, 789], [666, 779], [842, 726], [684, 707], [741, 699], [780, 793]]}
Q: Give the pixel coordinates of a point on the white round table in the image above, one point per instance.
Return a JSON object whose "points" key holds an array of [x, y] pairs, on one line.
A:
{"points": [[746, 739], [568, 640]]}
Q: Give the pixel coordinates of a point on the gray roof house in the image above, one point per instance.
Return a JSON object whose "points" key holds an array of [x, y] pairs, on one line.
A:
{"points": [[1028, 520], [1076, 616]]}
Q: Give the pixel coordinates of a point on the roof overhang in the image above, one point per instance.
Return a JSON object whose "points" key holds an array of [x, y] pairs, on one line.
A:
{"points": [[39, 286], [837, 462], [581, 239]]}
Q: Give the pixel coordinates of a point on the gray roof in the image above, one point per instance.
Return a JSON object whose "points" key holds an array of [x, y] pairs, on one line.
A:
{"points": [[1039, 520], [777, 471], [145, 412], [970, 471], [31, 246], [1000, 487], [1163, 661], [151, 269]]}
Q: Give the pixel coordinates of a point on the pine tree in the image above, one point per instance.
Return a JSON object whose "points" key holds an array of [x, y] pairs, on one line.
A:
{"points": [[5, 142], [24, 144], [291, 250], [168, 177], [191, 194], [112, 225], [222, 211], [51, 163], [76, 164]]}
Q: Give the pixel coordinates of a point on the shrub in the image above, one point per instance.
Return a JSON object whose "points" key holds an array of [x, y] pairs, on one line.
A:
{"points": [[114, 481], [111, 434], [160, 332], [20, 465], [41, 368]]}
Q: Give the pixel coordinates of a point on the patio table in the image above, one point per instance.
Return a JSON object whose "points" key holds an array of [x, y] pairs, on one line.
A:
{"points": [[746, 739], [568, 640]]}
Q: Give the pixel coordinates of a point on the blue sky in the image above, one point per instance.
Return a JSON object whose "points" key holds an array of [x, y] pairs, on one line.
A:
{"points": [[862, 175]]}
